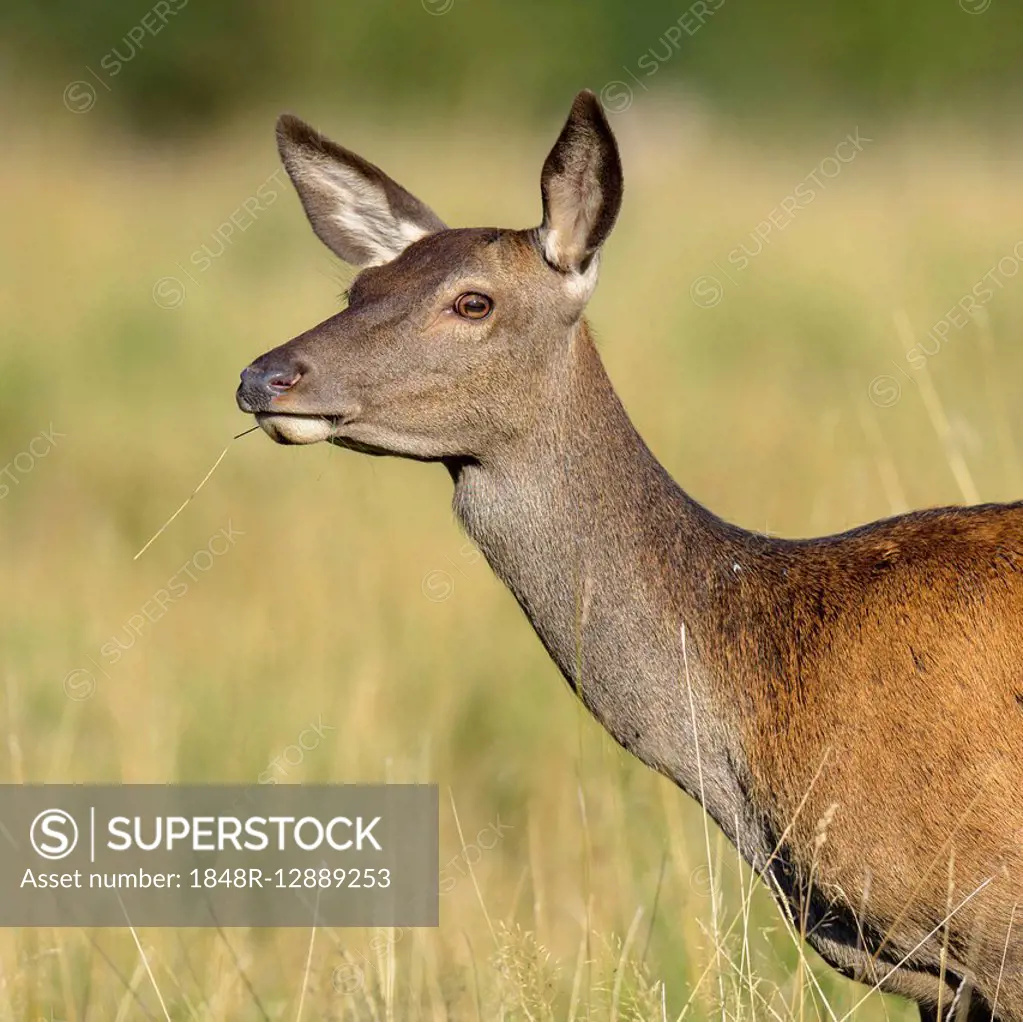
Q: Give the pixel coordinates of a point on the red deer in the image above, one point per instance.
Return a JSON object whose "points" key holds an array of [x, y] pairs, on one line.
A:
{"points": [[849, 709]]}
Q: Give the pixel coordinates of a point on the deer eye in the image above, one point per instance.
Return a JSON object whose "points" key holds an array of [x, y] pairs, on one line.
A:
{"points": [[473, 305]]}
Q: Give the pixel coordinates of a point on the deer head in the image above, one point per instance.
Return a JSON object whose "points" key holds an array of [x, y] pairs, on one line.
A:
{"points": [[450, 335]]}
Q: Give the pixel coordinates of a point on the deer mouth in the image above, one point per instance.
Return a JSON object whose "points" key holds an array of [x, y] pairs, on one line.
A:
{"points": [[291, 428]]}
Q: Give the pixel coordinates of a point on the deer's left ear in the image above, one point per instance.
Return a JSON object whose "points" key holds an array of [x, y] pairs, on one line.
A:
{"points": [[356, 210], [582, 188]]}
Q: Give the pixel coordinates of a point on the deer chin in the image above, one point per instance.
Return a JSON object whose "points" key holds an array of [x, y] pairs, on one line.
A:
{"points": [[295, 429]]}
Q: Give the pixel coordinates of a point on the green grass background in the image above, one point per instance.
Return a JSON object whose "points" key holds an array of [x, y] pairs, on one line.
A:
{"points": [[597, 902]]}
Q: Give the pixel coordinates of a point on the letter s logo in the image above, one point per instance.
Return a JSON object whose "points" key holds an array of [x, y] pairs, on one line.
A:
{"points": [[54, 834]]}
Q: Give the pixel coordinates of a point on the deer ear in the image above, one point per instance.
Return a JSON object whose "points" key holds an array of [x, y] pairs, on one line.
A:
{"points": [[356, 210], [582, 188]]}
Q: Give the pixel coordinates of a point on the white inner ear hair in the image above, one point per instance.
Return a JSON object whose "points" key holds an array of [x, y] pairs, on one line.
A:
{"points": [[360, 210], [577, 284], [582, 285], [552, 247]]}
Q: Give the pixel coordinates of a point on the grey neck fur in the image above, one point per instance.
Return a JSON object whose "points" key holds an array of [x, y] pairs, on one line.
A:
{"points": [[604, 553]]}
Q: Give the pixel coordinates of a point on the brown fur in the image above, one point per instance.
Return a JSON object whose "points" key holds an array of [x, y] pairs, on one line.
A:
{"points": [[901, 681], [848, 709]]}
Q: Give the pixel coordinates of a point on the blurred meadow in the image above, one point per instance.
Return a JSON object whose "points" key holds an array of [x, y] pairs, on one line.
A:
{"points": [[345, 630]]}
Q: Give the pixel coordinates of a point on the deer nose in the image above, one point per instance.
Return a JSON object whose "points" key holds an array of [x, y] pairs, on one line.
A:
{"points": [[262, 383]]}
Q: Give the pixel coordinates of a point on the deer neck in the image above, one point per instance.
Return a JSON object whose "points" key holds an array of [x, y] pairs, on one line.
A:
{"points": [[608, 558]]}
